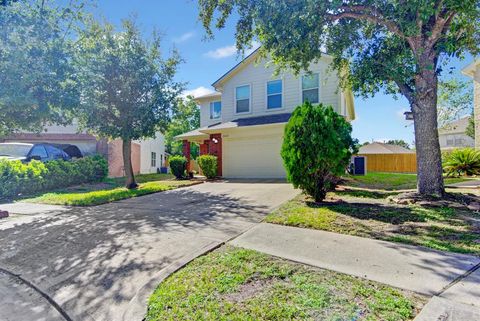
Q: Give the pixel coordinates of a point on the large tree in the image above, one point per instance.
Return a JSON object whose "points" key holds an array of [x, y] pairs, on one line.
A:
{"points": [[128, 88], [391, 45], [37, 80], [186, 117]]}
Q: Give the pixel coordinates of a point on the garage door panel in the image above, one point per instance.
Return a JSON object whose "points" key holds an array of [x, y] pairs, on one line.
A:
{"points": [[255, 157]]}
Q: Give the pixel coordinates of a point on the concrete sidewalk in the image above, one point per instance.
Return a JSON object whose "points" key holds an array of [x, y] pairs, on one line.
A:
{"points": [[408, 267], [23, 208]]}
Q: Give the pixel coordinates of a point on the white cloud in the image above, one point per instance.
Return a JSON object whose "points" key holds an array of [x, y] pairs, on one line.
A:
{"points": [[222, 52], [186, 36], [197, 92], [229, 51]]}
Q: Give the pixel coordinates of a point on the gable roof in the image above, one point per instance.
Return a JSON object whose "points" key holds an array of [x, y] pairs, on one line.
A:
{"points": [[382, 148], [471, 68], [457, 126], [245, 61]]}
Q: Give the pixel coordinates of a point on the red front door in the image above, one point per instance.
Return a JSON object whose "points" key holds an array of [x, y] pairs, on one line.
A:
{"points": [[215, 148]]}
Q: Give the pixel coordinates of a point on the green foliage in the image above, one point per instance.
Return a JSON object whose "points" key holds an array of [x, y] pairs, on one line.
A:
{"points": [[128, 88], [461, 162], [38, 81], [178, 166], [398, 142], [19, 178], [455, 99], [316, 149], [108, 195], [186, 117], [208, 164]]}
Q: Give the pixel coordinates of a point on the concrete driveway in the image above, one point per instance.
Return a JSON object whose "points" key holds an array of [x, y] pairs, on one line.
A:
{"points": [[101, 263]]}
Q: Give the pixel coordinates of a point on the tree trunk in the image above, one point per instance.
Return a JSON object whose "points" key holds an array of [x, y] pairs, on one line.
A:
{"points": [[127, 164], [429, 160]]}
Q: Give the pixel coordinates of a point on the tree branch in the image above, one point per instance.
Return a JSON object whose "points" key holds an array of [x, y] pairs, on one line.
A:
{"points": [[361, 16], [369, 13]]}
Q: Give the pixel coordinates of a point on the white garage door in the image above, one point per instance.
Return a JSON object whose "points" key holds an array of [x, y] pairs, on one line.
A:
{"points": [[253, 157]]}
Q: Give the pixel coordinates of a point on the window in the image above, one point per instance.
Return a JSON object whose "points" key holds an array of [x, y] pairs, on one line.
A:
{"points": [[153, 162], [39, 151], [310, 88], [54, 153], [242, 97], [215, 109], [274, 94]]}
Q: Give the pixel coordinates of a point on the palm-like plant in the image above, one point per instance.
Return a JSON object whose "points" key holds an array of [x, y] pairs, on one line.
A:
{"points": [[461, 162]]}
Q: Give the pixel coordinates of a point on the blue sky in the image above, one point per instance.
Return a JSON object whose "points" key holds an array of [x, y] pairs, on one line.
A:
{"points": [[378, 118]]}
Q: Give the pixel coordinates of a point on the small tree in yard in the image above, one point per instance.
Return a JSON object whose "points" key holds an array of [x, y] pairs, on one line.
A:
{"points": [[396, 46], [317, 148], [128, 91]]}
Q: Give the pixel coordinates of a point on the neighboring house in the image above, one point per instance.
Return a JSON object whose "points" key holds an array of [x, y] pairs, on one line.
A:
{"points": [[243, 122], [147, 155], [382, 148], [453, 135], [473, 71]]}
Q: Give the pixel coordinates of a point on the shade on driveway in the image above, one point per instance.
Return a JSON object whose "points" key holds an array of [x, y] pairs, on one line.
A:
{"points": [[93, 261]]}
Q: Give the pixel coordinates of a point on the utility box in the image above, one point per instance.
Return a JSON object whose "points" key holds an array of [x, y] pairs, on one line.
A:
{"points": [[359, 165]]}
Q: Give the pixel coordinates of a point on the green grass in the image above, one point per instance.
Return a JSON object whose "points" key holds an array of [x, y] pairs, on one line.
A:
{"points": [[441, 228], [238, 284], [390, 181], [110, 190]]}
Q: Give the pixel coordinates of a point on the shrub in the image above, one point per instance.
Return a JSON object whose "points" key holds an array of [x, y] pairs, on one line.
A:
{"points": [[460, 162], [178, 166], [208, 164], [19, 178], [317, 148]]}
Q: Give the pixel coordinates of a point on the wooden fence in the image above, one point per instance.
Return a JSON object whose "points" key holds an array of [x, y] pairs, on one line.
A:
{"points": [[391, 163]]}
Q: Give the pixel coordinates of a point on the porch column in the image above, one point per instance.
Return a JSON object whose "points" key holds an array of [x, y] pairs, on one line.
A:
{"points": [[204, 148], [186, 153], [215, 148]]}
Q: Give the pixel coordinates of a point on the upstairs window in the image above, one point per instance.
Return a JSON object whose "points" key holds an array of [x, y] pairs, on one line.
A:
{"points": [[242, 99], [310, 88], [215, 109], [274, 94]]}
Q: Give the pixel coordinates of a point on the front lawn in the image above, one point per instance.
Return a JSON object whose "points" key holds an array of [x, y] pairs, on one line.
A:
{"points": [[110, 190], [237, 284], [390, 181], [347, 212]]}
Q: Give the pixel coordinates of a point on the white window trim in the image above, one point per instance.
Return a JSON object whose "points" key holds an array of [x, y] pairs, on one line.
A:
{"points": [[152, 159], [210, 109], [235, 100], [282, 93], [319, 86]]}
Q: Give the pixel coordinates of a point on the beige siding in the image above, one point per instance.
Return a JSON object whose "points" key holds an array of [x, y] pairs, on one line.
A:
{"points": [[205, 113], [257, 75], [476, 104]]}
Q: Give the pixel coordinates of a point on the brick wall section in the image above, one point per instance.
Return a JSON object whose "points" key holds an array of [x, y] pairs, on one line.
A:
{"points": [[476, 106], [115, 158]]}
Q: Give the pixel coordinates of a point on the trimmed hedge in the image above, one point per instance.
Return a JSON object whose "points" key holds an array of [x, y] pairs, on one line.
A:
{"points": [[208, 164], [178, 166], [27, 178]]}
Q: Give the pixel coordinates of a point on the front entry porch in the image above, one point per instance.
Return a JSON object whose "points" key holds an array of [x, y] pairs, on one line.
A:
{"points": [[210, 146]]}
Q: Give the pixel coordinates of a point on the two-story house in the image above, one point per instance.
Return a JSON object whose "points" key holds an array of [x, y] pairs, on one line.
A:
{"points": [[242, 123]]}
